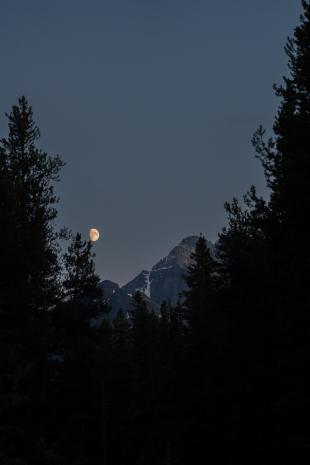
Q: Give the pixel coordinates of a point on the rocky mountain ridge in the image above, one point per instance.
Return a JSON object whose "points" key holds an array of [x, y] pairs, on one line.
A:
{"points": [[165, 281]]}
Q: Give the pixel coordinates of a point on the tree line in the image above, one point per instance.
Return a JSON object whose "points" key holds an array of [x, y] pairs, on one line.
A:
{"points": [[222, 377]]}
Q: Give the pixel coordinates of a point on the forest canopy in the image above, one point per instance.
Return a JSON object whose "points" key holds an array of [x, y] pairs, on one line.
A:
{"points": [[219, 377]]}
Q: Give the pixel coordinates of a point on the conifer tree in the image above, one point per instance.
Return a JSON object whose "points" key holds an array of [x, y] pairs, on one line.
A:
{"points": [[286, 161], [199, 384], [121, 330], [80, 281], [274, 226], [28, 282], [144, 336], [80, 383], [144, 326], [29, 262], [201, 285], [265, 255]]}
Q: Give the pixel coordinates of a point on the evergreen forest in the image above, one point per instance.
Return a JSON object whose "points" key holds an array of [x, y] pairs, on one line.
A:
{"points": [[219, 378]]}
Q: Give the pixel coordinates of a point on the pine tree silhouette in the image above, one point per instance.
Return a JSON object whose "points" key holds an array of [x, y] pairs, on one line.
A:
{"points": [[29, 262], [80, 281]]}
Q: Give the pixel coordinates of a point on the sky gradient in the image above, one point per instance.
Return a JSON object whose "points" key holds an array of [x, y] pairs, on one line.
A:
{"points": [[152, 105]]}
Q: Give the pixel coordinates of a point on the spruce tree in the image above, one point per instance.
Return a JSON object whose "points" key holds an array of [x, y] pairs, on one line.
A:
{"points": [[201, 285], [286, 161], [29, 262], [143, 330], [120, 374], [79, 382], [121, 330], [144, 336], [265, 264], [80, 281], [28, 284]]}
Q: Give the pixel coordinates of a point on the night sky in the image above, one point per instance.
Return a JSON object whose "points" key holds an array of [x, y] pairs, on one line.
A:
{"points": [[152, 105]]}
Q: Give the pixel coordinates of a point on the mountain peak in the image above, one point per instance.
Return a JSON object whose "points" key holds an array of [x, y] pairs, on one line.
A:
{"points": [[165, 281], [189, 241]]}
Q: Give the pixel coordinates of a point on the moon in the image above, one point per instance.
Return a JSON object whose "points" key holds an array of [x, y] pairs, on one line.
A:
{"points": [[93, 234]]}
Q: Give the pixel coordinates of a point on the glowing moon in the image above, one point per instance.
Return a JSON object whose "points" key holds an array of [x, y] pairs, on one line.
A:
{"points": [[93, 234]]}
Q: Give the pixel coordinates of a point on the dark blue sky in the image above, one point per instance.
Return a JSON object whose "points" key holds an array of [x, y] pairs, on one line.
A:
{"points": [[152, 105]]}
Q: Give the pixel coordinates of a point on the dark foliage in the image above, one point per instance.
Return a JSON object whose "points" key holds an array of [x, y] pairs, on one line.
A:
{"points": [[219, 378]]}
